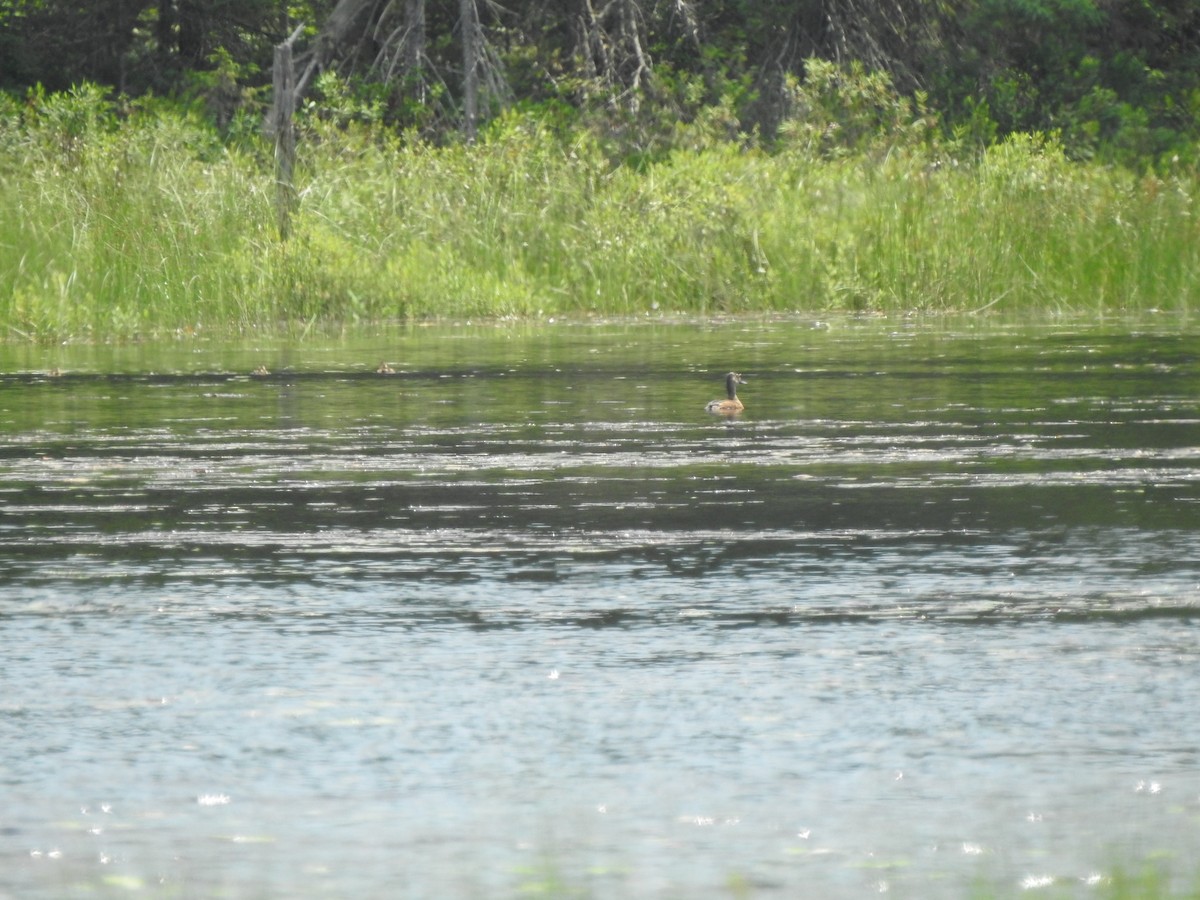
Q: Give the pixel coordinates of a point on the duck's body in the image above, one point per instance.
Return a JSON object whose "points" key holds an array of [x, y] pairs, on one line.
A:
{"points": [[731, 405], [385, 369]]}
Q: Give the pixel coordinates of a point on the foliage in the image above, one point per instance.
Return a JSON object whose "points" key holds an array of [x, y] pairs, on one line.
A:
{"points": [[135, 46], [1118, 80], [844, 111]]}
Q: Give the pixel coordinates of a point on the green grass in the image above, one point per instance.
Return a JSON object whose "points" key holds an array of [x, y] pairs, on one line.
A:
{"points": [[149, 224]]}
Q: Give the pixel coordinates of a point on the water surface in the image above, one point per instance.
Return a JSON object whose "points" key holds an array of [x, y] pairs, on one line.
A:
{"points": [[521, 617]]}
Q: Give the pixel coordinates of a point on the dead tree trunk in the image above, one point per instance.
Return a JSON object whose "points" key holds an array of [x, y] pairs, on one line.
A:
{"points": [[413, 55], [469, 22], [282, 109], [610, 43]]}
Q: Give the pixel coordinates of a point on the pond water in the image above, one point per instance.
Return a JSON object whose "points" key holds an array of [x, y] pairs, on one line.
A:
{"points": [[523, 618]]}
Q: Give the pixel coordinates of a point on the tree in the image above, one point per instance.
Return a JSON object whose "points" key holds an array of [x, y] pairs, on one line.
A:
{"points": [[135, 46], [468, 23]]}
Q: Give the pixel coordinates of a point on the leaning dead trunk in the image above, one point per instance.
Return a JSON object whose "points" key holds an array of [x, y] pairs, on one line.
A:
{"points": [[282, 108], [469, 21], [413, 55]]}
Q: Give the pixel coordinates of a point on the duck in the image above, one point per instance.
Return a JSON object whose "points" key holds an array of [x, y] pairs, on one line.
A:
{"points": [[731, 405], [261, 372], [384, 369]]}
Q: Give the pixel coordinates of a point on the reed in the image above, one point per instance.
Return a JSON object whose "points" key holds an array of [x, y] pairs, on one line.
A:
{"points": [[148, 223]]}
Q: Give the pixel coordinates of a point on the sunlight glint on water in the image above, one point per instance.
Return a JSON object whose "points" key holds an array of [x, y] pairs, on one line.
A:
{"points": [[537, 619]]}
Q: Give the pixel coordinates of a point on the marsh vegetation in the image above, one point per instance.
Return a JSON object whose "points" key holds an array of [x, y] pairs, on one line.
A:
{"points": [[142, 219]]}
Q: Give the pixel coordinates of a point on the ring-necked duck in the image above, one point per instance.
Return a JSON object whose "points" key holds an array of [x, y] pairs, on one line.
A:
{"points": [[731, 404]]}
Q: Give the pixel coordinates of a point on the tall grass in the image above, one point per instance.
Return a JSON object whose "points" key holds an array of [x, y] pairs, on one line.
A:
{"points": [[145, 222]]}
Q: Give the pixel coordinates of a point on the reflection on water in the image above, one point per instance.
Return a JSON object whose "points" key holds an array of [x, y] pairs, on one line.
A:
{"points": [[521, 617]]}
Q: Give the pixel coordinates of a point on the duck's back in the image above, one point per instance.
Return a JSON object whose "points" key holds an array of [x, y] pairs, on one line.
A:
{"points": [[724, 406]]}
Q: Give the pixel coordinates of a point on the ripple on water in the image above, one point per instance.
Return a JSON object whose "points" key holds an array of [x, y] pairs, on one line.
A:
{"points": [[345, 638]]}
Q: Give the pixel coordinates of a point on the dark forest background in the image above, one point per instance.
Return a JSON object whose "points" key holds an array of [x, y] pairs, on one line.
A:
{"points": [[1115, 80]]}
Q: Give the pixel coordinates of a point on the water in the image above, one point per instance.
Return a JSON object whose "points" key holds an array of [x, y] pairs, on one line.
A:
{"points": [[522, 618]]}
